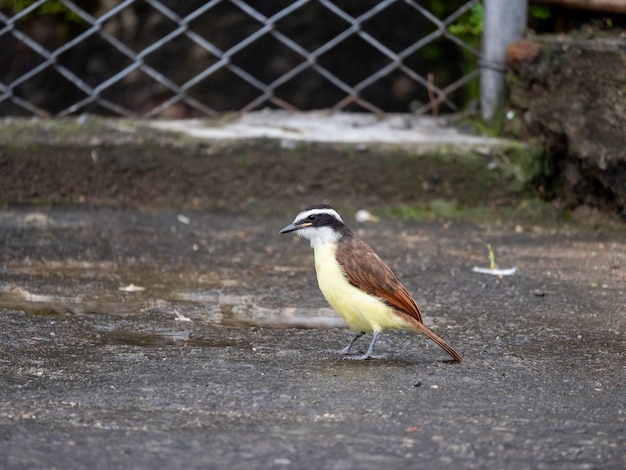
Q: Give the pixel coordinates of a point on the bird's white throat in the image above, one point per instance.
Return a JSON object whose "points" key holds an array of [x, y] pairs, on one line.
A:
{"points": [[319, 236]]}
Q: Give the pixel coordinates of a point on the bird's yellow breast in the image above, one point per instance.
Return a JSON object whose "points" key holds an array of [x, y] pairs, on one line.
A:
{"points": [[361, 311]]}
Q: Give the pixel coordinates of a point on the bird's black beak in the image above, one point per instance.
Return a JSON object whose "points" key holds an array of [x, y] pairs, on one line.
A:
{"points": [[293, 227]]}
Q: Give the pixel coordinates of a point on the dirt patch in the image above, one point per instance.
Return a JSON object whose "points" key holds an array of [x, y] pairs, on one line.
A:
{"points": [[90, 163], [568, 93]]}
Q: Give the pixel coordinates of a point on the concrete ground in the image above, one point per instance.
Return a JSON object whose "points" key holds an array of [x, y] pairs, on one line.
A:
{"points": [[157, 339]]}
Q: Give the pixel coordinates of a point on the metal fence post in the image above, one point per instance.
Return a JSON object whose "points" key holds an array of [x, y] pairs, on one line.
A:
{"points": [[504, 21]]}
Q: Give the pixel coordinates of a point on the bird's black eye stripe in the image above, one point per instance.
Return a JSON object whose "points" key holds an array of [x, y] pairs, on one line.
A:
{"points": [[311, 217]]}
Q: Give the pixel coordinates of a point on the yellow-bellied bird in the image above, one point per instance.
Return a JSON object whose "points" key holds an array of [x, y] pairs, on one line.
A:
{"points": [[356, 282]]}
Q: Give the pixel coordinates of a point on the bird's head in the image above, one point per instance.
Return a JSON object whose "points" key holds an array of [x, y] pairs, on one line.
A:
{"points": [[320, 224]]}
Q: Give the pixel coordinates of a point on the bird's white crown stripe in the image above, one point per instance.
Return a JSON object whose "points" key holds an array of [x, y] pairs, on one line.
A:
{"points": [[305, 214]]}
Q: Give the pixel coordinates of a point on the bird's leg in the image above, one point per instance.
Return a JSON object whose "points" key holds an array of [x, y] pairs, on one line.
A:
{"points": [[346, 350], [369, 352]]}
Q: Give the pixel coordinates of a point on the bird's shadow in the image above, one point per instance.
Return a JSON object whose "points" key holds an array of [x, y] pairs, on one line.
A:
{"points": [[381, 360]]}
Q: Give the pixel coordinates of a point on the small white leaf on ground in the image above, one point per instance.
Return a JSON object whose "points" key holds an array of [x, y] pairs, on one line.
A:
{"points": [[365, 216], [180, 317], [495, 272], [132, 288]]}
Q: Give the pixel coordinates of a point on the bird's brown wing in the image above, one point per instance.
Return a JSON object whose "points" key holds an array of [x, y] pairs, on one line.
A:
{"points": [[365, 270]]}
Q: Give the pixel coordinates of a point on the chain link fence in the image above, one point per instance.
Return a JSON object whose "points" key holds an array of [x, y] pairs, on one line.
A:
{"points": [[160, 58]]}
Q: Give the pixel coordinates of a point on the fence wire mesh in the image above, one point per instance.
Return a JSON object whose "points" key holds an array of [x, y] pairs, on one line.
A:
{"points": [[159, 58]]}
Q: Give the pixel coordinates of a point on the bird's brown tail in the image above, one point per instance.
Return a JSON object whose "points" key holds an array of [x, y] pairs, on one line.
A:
{"points": [[441, 343]]}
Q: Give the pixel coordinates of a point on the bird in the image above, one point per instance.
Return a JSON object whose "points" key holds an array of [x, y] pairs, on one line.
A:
{"points": [[356, 282]]}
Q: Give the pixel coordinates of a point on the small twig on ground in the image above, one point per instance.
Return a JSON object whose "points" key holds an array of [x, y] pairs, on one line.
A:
{"points": [[492, 266], [180, 317], [431, 95]]}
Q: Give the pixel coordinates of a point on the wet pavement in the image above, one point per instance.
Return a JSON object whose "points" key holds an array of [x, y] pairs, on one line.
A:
{"points": [[135, 340]]}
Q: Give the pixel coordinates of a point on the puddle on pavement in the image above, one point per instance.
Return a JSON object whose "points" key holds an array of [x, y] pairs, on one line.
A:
{"points": [[158, 339], [103, 288]]}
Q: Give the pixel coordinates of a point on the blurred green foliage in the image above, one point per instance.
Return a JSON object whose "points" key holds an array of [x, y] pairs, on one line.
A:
{"points": [[539, 12], [470, 26], [50, 7]]}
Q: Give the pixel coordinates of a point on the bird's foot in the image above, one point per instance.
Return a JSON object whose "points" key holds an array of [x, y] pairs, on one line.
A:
{"points": [[361, 357], [370, 350], [343, 352]]}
